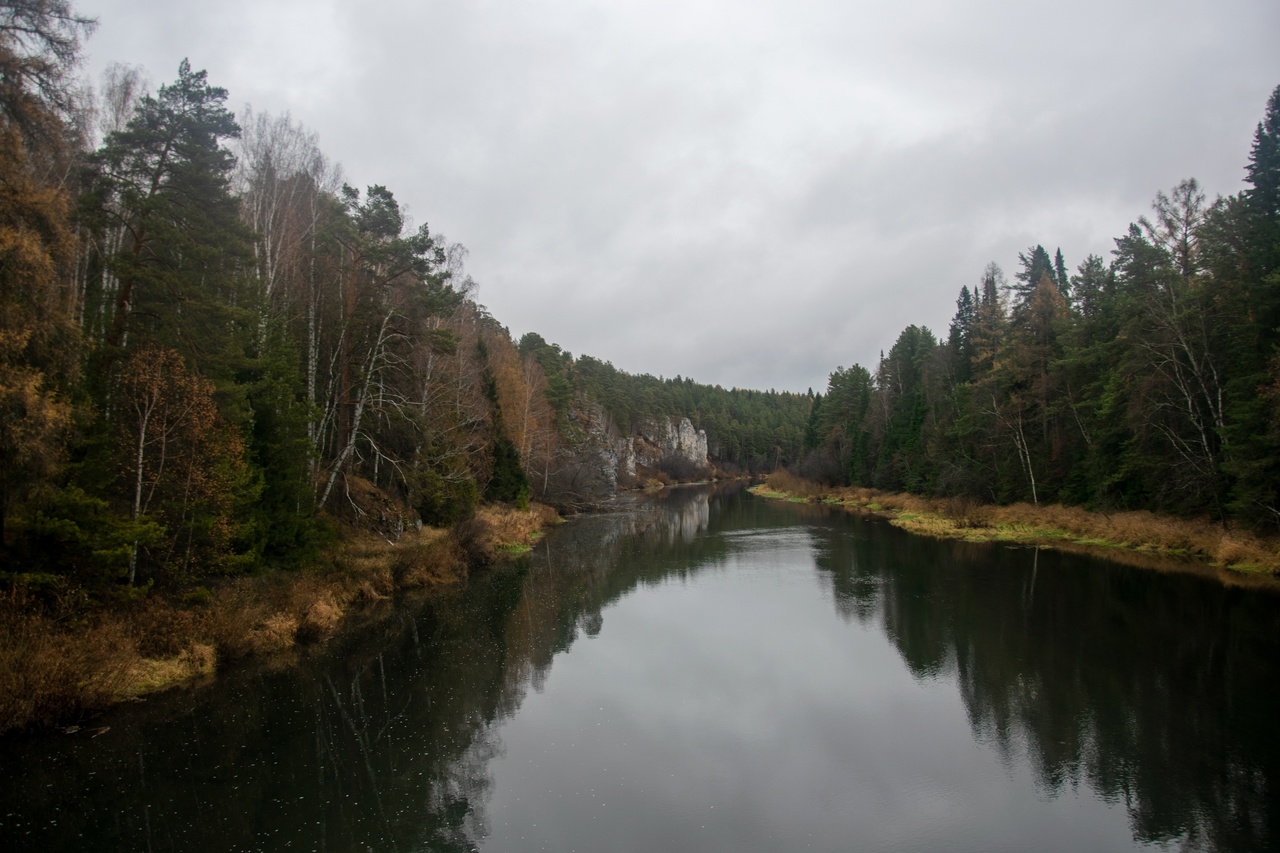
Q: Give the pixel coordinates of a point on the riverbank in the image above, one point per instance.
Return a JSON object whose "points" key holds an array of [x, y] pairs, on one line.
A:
{"points": [[59, 665], [1141, 533]]}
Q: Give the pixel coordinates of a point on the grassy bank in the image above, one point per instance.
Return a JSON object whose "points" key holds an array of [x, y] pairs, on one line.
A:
{"points": [[61, 663], [1050, 525]]}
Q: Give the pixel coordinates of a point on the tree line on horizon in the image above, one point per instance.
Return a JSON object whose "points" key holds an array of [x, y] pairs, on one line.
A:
{"points": [[1150, 380], [748, 431]]}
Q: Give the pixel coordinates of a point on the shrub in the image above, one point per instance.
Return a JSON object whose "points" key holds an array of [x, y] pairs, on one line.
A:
{"points": [[319, 621], [785, 481], [48, 674], [443, 502]]}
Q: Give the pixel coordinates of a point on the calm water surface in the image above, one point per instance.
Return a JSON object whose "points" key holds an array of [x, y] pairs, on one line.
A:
{"points": [[710, 671]]}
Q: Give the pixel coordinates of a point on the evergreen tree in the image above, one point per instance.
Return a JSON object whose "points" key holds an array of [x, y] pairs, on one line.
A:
{"points": [[813, 427], [1263, 169], [1249, 272], [165, 181], [1262, 200], [1060, 275], [901, 382], [1035, 265], [960, 337], [988, 327]]}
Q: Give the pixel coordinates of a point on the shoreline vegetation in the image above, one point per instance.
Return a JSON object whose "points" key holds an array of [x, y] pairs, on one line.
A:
{"points": [[1138, 538], [63, 662]]}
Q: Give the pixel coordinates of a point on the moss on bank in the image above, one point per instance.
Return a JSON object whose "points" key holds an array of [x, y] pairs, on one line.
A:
{"points": [[60, 664], [1052, 526]]}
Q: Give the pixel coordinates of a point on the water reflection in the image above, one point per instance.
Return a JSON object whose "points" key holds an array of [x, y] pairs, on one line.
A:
{"points": [[1154, 692], [1151, 690]]}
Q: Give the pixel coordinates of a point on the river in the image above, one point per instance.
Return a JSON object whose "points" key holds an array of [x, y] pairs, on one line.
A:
{"points": [[706, 670]]}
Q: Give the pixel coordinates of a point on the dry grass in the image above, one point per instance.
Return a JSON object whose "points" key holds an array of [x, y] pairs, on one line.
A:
{"points": [[652, 479], [788, 484], [429, 562], [499, 531], [48, 673], [319, 622], [512, 526], [149, 675], [56, 670], [964, 518]]}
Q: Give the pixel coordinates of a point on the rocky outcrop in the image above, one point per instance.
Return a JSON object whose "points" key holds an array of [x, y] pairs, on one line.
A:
{"points": [[589, 472], [625, 450], [672, 445], [600, 457]]}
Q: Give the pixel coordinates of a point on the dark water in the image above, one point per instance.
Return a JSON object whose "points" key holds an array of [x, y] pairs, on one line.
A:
{"points": [[715, 672]]}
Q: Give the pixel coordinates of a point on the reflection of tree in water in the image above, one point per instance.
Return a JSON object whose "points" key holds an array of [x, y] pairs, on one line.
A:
{"points": [[596, 559], [591, 623], [384, 742], [1153, 690]]}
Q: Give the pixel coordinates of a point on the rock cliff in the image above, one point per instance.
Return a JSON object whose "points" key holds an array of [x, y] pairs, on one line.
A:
{"points": [[671, 445], [600, 457]]}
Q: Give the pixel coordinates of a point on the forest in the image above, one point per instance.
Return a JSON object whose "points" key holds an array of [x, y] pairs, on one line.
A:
{"points": [[215, 352], [1147, 380]]}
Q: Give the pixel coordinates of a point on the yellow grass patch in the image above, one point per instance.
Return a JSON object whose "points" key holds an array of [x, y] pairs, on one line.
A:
{"points": [[319, 621], [499, 531], [1051, 525], [149, 675]]}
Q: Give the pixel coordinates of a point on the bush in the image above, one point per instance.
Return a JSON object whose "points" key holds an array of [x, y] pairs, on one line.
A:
{"points": [[49, 675], [473, 540], [508, 482], [443, 502], [823, 466], [785, 481]]}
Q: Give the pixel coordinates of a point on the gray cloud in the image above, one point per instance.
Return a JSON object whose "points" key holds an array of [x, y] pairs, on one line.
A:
{"points": [[748, 193]]}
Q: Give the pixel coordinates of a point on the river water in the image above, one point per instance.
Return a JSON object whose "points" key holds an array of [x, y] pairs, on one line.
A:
{"points": [[708, 671]]}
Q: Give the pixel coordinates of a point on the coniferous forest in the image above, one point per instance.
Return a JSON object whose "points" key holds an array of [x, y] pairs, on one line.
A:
{"points": [[213, 351], [1149, 380]]}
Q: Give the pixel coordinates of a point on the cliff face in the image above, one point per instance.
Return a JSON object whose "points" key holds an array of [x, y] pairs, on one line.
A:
{"points": [[671, 445], [588, 469], [600, 456]]}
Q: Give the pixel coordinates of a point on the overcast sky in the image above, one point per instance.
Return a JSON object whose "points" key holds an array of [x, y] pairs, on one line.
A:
{"points": [[747, 193]]}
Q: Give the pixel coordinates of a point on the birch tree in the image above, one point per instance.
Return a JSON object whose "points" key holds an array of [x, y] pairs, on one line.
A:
{"points": [[179, 461]]}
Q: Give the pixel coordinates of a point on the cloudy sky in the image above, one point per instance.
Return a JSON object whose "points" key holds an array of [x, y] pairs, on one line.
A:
{"points": [[747, 192]]}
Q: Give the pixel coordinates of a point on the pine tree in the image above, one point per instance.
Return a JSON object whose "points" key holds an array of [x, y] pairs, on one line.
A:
{"points": [[1251, 274], [178, 277], [1263, 203]]}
